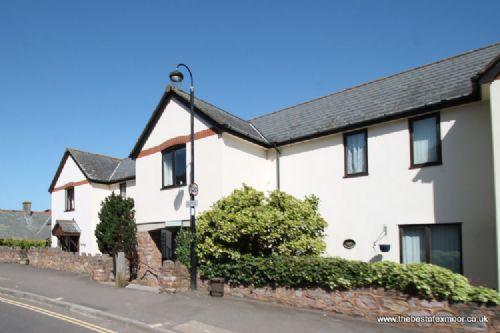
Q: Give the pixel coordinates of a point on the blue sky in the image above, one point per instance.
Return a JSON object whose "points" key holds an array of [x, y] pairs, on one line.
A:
{"points": [[88, 74]]}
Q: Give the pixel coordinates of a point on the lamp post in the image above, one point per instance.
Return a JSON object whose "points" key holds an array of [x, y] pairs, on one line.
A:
{"points": [[177, 76]]}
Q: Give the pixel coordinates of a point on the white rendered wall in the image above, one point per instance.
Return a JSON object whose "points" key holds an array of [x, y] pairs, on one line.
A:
{"points": [[245, 162], [173, 123], [83, 203], [99, 192], [156, 205], [459, 190]]}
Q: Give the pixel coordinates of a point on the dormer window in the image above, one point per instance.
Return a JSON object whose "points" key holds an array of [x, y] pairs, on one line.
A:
{"points": [[70, 199]]}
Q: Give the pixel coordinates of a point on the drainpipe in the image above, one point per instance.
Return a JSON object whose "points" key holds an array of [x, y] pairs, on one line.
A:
{"points": [[495, 133], [278, 153]]}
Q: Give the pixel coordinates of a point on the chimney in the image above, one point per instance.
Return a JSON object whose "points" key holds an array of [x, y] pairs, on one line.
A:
{"points": [[27, 207]]}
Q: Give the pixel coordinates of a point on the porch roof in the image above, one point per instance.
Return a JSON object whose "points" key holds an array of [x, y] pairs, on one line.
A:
{"points": [[66, 228]]}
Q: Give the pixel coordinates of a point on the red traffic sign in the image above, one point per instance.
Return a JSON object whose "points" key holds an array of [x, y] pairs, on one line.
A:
{"points": [[193, 189]]}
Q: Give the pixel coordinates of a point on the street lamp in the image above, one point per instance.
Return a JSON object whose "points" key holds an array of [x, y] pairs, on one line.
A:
{"points": [[176, 76]]}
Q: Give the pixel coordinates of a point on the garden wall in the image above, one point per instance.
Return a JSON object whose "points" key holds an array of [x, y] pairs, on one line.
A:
{"points": [[372, 303], [11, 254], [369, 303], [150, 260], [99, 267]]}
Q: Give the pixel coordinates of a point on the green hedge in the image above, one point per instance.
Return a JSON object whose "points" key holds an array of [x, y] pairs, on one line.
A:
{"points": [[25, 244], [422, 280]]}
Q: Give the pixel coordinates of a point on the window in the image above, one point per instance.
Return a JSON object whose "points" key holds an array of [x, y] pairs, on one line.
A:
{"points": [[70, 199], [174, 167], [439, 244], [425, 141], [356, 153], [123, 190]]}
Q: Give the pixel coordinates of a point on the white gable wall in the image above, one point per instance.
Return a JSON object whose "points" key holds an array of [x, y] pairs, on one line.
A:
{"points": [[174, 121], [83, 201], [156, 205]]}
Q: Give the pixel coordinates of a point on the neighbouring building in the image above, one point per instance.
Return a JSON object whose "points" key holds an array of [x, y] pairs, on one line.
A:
{"points": [[25, 223], [81, 182], [406, 161]]}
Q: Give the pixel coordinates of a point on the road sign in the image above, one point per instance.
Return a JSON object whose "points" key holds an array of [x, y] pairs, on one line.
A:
{"points": [[193, 189], [191, 203]]}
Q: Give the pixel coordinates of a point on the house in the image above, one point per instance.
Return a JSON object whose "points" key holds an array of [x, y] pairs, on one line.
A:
{"points": [[80, 184], [25, 224], [405, 161]]}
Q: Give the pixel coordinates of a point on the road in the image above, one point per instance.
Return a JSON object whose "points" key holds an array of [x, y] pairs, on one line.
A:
{"points": [[18, 315]]}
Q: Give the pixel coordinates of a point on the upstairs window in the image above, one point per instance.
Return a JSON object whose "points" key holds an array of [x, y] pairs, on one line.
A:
{"points": [[70, 199], [123, 190], [356, 153], [425, 141], [174, 167]]}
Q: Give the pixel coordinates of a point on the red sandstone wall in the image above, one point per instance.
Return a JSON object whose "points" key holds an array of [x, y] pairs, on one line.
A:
{"points": [[150, 260], [99, 267]]}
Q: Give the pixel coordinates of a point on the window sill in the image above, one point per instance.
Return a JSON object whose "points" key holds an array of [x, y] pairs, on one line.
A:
{"points": [[354, 175], [424, 165], [172, 187]]}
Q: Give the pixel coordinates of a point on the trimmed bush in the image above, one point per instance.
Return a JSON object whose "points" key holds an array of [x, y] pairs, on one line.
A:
{"points": [[116, 230], [25, 244], [183, 247], [247, 222], [330, 273]]}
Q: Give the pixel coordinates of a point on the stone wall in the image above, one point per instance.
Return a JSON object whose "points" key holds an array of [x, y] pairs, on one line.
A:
{"points": [[99, 267], [150, 260], [11, 254], [173, 278], [371, 303]]}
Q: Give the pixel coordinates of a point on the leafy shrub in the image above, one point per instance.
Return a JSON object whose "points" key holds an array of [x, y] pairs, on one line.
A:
{"points": [[249, 223], [117, 230], [183, 247], [330, 273], [433, 281], [484, 295], [25, 244]]}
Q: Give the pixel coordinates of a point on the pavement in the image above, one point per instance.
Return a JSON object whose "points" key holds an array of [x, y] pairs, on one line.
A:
{"points": [[191, 312]]}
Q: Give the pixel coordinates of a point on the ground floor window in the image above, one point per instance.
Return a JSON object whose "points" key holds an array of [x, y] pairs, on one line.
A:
{"points": [[439, 244]]}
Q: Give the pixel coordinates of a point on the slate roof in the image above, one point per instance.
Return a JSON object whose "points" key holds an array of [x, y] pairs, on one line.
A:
{"points": [[442, 81], [15, 224], [439, 84], [223, 118], [98, 168], [124, 170], [68, 226]]}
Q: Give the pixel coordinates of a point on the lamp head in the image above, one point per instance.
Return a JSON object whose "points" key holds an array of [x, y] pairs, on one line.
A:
{"points": [[176, 76]]}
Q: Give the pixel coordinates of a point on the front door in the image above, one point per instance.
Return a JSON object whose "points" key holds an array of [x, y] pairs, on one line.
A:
{"points": [[166, 245]]}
